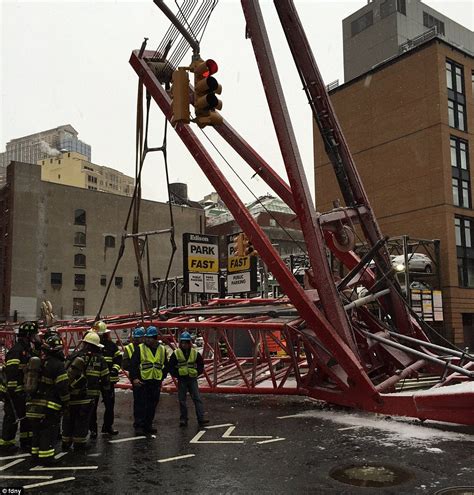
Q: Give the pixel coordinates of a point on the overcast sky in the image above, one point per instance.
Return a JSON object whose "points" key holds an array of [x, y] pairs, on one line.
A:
{"points": [[66, 62]]}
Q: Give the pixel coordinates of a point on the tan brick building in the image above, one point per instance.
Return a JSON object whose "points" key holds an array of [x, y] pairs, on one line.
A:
{"points": [[409, 124], [60, 243]]}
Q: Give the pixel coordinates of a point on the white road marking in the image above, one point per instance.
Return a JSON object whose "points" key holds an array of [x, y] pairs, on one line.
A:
{"points": [[60, 480], [218, 426], [176, 458], [349, 428], [273, 440], [62, 468], [14, 457], [10, 464], [120, 440], [197, 437], [290, 416], [24, 476], [93, 455], [229, 430], [61, 454]]}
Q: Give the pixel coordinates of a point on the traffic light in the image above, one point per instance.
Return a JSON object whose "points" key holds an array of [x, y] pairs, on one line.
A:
{"points": [[239, 244], [206, 88], [180, 94], [249, 249]]}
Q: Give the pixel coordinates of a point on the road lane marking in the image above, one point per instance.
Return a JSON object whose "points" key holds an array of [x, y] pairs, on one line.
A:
{"points": [[14, 456], [24, 477], [61, 454], [10, 464], [219, 426], [290, 416], [62, 468], [94, 455], [176, 458], [349, 428], [197, 437], [120, 440], [229, 430], [44, 483], [273, 440]]}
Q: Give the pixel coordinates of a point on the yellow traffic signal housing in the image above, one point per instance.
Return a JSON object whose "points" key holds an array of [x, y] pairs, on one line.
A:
{"points": [[249, 249], [206, 88], [180, 93], [239, 244]]}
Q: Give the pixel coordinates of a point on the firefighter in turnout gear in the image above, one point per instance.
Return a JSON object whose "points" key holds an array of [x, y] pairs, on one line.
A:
{"points": [[147, 371], [88, 376], [138, 337], [45, 404], [186, 364], [14, 393], [113, 358]]}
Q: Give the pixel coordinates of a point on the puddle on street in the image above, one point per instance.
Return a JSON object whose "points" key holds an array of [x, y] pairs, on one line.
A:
{"points": [[370, 475]]}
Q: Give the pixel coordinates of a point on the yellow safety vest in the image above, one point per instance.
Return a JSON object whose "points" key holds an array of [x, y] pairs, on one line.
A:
{"points": [[151, 365], [130, 349], [189, 367]]}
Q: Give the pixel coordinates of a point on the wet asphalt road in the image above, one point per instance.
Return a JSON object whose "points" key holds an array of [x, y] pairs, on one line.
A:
{"points": [[304, 450]]}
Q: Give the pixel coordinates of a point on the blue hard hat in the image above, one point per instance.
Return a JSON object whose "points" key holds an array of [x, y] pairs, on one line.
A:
{"points": [[185, 336], [151, 332], [139, 332]]}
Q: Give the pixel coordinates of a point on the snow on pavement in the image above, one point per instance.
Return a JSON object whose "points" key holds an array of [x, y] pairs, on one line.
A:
{"points": [[389, 431]]}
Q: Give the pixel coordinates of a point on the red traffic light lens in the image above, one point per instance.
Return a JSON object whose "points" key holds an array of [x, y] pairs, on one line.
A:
{"points": [[212, 67]]}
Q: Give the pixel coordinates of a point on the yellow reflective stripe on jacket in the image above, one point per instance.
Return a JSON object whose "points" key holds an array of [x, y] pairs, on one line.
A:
{"points": [[12, 362], [108, 359], [187, 367], [61, 378], [117, 353], [46, 380], [151, 365], [79, 402], [93, 373]]}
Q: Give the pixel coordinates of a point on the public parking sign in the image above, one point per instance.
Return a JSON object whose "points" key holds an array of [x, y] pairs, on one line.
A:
{"points": [[201, 263], [241, 270]]}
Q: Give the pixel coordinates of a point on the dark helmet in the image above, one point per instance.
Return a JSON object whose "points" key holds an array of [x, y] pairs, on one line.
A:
{"points": [[53, 344], [28, 328]]}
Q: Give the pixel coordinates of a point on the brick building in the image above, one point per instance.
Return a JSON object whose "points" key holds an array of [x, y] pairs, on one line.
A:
{"points": [[409, 123]]}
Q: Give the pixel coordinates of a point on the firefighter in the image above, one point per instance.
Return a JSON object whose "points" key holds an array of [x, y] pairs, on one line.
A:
{"points": [[137, 339], [147, 371], [113, 358], [88, 376], [14, 394], [186, 364], [46, 402]]}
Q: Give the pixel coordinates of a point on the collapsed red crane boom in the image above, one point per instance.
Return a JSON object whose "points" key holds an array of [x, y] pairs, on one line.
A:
{"points": [[352, 358]]}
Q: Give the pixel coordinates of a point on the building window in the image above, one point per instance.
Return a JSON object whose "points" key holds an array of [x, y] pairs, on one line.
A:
{"points": [[402, 6], [465, 252], [362, 23], [461, 193], [56, 278], [429, 21], [119, 282], [456, 115], [78, 306], [272, 222], [80, 260], [79, 239], [461, 178], [472, 82], [79, 281], [103, 280], [455, 77], [136, 281], [109, 241], [79, 217]]}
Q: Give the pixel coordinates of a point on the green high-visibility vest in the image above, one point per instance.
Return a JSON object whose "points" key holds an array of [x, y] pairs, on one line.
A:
{"points": [[130, 349], [187, 367], [151, 365]]}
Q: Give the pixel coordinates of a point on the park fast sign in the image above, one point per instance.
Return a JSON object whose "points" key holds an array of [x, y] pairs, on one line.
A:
{"points": [[201, 263]]}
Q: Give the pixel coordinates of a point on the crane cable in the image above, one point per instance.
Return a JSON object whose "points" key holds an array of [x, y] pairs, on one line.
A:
{"points": [[142, 150]]}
